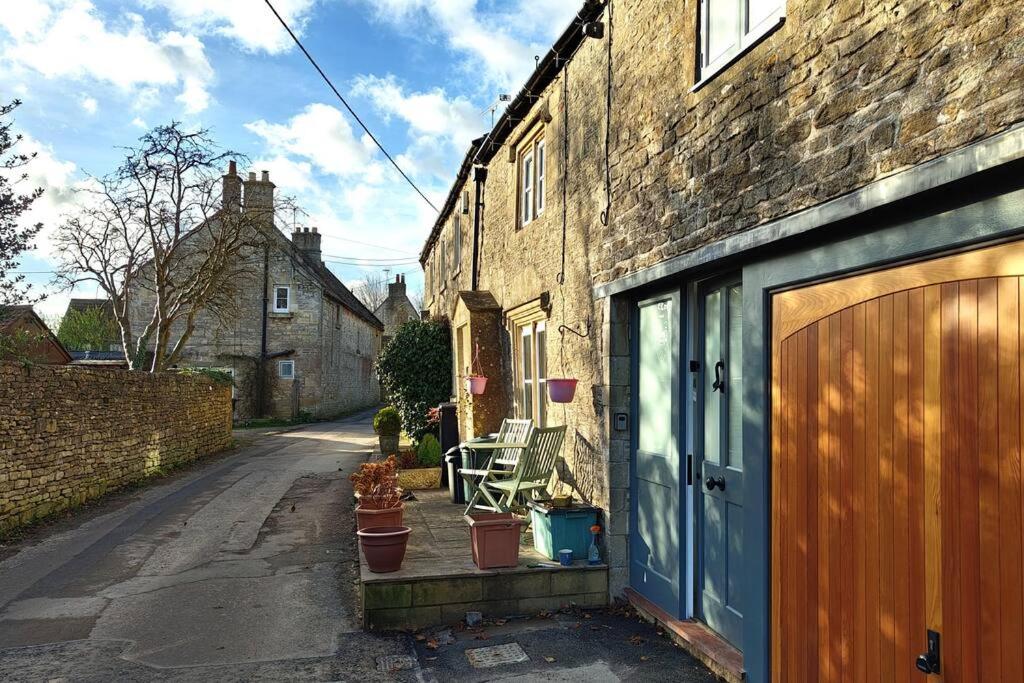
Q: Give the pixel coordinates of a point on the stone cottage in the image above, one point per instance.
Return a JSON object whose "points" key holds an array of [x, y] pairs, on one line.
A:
{"points": [[300, 341], [396, 309], [779, 245]]}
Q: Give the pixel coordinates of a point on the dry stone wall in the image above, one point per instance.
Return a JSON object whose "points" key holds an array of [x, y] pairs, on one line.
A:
{"points": [[69, 434]]}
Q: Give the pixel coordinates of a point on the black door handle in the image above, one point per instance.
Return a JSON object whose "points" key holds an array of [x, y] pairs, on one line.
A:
{"points": [[719, 383], [931, 661], [712, 482]]}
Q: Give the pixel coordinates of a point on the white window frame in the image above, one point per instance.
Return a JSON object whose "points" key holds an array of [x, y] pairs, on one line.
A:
{"points": [[744, 38], [281, 365], [230, 371], [456, 245], [541, 185], [526, 197], [527, 337], [288, 298], [443, 267]]}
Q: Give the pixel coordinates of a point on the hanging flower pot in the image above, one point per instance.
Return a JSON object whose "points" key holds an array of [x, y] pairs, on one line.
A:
{"points": [[476, 384], [561, 390]]}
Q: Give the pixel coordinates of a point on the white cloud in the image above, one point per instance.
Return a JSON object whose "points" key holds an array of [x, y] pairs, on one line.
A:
{"points": [[499, 45], [139, 123], [248, 22], [89, 104], [322, 135], [69, 39]]}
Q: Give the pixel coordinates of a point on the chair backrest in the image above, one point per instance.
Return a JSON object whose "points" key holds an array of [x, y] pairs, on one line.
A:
{"points": [[538, 461], [512, 431]]}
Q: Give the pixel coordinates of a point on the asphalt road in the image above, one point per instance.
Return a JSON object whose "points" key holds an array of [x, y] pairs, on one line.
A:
{"points": [[245, 568], [241, 569]]}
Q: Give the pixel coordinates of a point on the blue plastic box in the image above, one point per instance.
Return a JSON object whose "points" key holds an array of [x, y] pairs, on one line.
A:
{"points": [[557, 528]]}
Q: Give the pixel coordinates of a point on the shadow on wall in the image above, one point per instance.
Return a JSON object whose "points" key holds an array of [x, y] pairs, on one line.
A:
{"points": [[584, 474]]}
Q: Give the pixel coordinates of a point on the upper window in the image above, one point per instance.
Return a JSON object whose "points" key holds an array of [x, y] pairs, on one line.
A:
{"points": [[532, 183], [282, 298], [457, 245], [443, 267], [286, 369], [728, 27]]}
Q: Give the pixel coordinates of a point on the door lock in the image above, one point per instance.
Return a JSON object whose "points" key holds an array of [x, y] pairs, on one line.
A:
{"points": [[931, 661], [712, 482]]}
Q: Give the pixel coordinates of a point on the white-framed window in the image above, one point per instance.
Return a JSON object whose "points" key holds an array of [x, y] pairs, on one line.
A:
{"points": [[531, 371], [541, 168], [532, 179], [286, 369], [465, 201], [443, 267], [231, 372], [729, 27], [457, 244], [526, 199], [282, 298]]}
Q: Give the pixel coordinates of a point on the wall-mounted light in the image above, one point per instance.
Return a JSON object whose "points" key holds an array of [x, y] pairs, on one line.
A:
{"points": [[593, 29]]}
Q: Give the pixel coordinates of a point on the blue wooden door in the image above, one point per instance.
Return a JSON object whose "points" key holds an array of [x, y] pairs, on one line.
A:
{"points": [[654, 501], [719, 452]]}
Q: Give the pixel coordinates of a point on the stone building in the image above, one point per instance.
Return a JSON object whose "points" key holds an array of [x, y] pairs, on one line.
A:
{"points": [[781, 236], [299, 341], [396, 309]]}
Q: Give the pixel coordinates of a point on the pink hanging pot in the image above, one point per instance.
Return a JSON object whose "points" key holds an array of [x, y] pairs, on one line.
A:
{"points": [[561, 390], [476, 384]]}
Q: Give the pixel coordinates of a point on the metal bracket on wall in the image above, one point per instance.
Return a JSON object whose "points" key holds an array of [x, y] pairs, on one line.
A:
{"points": [[562, 329]]}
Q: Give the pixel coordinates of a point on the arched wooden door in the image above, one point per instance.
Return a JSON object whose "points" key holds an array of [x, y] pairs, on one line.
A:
{"points": [[896, 473]]}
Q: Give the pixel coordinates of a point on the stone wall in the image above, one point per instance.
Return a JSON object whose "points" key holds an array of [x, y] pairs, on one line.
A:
{"points": [[70, 434], [844, 93]]}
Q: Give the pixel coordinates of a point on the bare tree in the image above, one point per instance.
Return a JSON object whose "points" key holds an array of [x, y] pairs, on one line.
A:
{"points": [[163, 245], [416, 298], [372, 290], [14, 237]]}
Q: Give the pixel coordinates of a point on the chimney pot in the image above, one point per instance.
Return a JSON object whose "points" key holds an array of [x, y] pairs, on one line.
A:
{"points": [[314, 229], [232, 168], [252, 176], [265, 176]]}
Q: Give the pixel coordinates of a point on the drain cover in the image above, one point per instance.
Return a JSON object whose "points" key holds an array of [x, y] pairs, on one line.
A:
{"points": [[497, 655], [390, 663]]}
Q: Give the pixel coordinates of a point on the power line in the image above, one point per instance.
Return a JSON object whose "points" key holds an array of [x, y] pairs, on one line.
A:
{"points": [[344, 102], [367, 244]]}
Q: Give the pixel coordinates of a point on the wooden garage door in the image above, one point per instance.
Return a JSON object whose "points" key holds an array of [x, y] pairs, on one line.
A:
{"points": [[896, 473]]}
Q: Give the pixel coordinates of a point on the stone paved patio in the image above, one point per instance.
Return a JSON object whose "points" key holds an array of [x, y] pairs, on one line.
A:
{"points": [[438, 582]]}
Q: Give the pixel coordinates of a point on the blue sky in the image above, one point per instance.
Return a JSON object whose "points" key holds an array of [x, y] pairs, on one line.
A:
{"points": [[94, 75]]}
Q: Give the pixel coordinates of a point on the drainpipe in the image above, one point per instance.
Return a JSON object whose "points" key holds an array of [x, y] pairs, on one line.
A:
{"points": [[261, 368], [479, 178]]}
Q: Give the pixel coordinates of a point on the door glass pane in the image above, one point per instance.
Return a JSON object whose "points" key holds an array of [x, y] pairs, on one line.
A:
{"points": [[712, 356], [759, 10], [723, 27], [654, 394], [542, 374], [734, 376]]}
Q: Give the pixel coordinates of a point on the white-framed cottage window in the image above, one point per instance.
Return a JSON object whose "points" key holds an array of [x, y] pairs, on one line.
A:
{"points": [[528, 331], [457, 245], [532, 179], [730, 27], [465, 201], [541, 168], [286, 369], [282, 298], [526, 199], [443, 267]]}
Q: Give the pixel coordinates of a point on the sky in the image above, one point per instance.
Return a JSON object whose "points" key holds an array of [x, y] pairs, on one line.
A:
{"points": [[94, 75]]}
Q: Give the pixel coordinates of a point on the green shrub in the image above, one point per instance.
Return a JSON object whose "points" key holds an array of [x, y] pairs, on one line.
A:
{"points": [[387, 422], [429, 452], [415, 369], [215, 376]]}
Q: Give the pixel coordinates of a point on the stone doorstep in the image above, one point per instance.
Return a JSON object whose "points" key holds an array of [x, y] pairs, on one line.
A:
{"points": [[709, 648]]}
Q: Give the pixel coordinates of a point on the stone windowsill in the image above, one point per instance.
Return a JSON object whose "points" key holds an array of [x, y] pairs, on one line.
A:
{"points": [[283, 316]]}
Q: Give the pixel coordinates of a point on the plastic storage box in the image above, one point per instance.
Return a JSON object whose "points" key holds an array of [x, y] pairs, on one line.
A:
{"points": [[558, 528]]}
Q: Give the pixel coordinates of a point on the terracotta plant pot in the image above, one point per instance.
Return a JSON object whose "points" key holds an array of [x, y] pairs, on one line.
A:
{"points": [[388, 444], [495, 538], [420, 479], [476, 384], [369, 517], [384, 547], [561, 390]]}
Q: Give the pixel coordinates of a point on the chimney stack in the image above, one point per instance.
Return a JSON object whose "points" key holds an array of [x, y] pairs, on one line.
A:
{"points": [[396, 289], [259, 195], [308, 242], [232, 189]]}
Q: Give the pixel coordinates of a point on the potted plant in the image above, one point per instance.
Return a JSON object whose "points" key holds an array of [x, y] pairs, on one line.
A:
{"points": [[384, 547], [421, 469], [380, 498], [388, 425], [476, 383], [561, 390]]}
